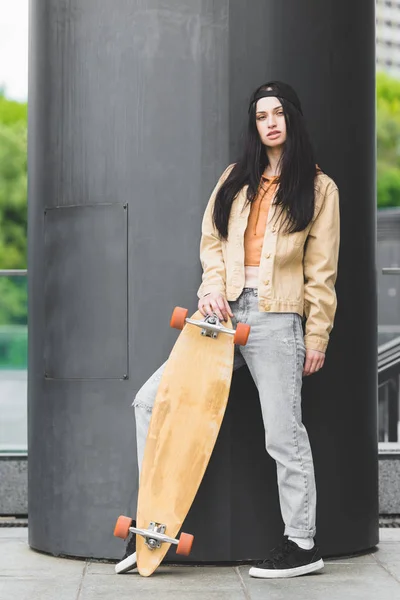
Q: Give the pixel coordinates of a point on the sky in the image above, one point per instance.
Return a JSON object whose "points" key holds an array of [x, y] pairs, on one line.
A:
{"points": [[14, 48]]}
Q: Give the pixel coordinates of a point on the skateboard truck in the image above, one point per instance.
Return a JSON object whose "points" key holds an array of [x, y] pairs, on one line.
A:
{"points": [[157, 537], [213, 321], [152, 542], [210, 326], [154, 535]]}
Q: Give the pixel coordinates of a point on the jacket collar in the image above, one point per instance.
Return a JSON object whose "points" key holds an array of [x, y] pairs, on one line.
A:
{"points": [[244, 208]]}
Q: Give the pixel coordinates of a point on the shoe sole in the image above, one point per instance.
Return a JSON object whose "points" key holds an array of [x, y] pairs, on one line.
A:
{"points": [[272, 573], [127, 564]]}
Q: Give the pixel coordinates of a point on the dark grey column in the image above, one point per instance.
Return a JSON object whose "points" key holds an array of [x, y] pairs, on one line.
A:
{"points": [[134, 111]]}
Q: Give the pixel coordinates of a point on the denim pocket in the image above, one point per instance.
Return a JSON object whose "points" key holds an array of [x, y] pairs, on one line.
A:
{"points": [[234, 306]]}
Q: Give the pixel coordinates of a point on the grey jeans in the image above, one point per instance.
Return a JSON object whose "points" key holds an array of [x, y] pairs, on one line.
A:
{"points": [[274, 354]]}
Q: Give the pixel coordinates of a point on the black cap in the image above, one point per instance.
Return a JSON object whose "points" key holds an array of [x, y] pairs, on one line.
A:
{"points": [[281, 90]]}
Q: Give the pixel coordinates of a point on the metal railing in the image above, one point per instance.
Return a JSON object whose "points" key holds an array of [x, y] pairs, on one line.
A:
{"points": [[13, 272], [391, 270], [389, 379]]}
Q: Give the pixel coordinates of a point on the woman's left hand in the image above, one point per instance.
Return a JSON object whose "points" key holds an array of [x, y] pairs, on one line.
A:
{"points": [[314, 361]]}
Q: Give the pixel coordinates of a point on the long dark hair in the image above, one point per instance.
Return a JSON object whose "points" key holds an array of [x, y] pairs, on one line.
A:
{"points": [[295, 193]]}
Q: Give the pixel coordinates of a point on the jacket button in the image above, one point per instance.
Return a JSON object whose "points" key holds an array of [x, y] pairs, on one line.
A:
{"points": [[268, 255], [273, 230], [267, 306], [267, 282]]}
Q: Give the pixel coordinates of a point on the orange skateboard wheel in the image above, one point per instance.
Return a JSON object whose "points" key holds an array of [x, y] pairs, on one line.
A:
{"points": [[241, 334], [179, 315], [185, 544], [121, 528]]}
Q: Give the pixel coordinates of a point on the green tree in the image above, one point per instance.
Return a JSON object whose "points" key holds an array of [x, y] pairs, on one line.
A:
{"points": [[13, 207], [388, 140]]}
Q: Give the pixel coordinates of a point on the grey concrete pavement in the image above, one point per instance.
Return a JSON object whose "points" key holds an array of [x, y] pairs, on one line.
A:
{"points": [[29, 575]]}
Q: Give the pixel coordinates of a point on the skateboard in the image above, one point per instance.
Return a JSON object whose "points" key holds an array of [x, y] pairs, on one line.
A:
{"points": [[184, 426]]}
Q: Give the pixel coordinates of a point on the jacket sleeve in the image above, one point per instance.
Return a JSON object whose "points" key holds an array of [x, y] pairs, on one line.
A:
{"points": [[211, 256], [320, 271]]}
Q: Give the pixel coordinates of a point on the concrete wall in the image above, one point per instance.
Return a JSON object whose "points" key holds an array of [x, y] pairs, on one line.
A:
{"points": [[14, 487]]}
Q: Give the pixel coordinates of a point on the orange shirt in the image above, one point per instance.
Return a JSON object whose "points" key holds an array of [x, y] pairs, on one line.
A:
{"points": [[256, 224]]}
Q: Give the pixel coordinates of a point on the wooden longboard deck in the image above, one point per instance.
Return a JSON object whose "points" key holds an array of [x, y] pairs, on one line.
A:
{"points": [[186, 419]]}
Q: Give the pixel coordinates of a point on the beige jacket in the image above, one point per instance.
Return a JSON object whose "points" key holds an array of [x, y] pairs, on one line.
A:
{"points": [[297, 271]]}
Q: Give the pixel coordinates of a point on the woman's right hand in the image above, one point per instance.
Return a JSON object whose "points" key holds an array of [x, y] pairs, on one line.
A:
{"points": [[215, 302]]}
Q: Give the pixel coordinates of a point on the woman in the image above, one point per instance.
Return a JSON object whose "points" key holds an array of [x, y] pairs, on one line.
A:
{"points": [[269, 251]]}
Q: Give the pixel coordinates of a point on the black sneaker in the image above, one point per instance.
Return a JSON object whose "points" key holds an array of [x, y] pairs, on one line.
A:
{"points": [[288, 560], [128, 561]]}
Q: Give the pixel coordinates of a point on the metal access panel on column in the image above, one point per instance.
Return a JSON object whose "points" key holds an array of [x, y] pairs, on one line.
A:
{"points": [[86, 292]]}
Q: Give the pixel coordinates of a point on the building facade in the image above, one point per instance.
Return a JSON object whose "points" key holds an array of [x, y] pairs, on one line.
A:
{"points": [[388, 36]]}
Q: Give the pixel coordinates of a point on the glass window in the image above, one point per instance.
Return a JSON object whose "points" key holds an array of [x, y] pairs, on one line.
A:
{"points": [[13, 364]]}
